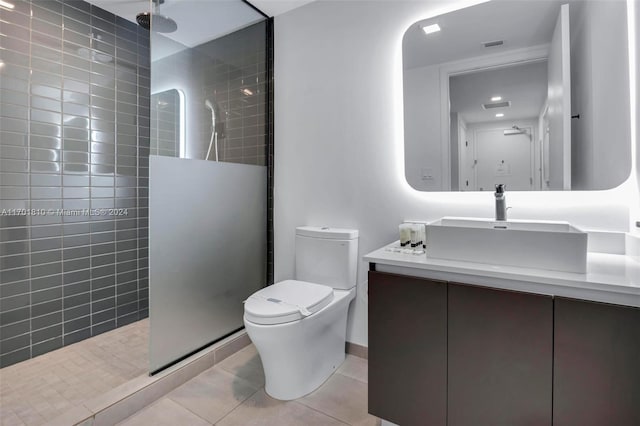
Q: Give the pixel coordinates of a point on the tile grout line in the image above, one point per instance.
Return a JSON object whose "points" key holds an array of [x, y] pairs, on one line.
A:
{"points": [[318, 411], [225, 371], [239, 405]]}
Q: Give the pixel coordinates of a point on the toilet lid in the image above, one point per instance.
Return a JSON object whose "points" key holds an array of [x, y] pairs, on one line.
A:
{"points": [[286, 301]]}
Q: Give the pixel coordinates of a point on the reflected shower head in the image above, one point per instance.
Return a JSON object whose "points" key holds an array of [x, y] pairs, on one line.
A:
{"points": [[515, 130], [208, 104], [160, 23]]}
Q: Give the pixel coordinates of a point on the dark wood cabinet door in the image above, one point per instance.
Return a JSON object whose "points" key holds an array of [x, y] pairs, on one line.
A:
{"points": [[500, 357], [407, 349], [596, 364]]}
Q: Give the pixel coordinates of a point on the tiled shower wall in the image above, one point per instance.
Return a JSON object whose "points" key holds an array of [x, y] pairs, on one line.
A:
{"points": [[230, 72], [74, 148]]}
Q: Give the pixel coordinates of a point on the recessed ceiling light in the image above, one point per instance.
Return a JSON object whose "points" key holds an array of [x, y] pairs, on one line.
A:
{"points": [[429, 29], [247, 92], [6, 4], [498, 115], [496, 98]]}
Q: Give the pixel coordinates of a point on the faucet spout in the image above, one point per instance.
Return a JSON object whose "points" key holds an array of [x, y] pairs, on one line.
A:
{"points": [[501, 203]]}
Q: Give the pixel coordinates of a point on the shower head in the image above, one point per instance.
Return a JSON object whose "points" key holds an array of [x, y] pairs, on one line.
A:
{"points": [[515, 130], [161, 23], [214, 134], [209, 105]]}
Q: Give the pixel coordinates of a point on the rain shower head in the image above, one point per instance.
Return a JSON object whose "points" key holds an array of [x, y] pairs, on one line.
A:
{"points": [[161, 23], [515, 130]]}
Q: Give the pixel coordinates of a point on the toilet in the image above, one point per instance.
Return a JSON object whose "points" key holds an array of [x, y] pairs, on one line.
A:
{"points": [[299, 326]]}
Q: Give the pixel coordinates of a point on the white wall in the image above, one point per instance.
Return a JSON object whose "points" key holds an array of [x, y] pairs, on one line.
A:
{"points": [[339, 156], [422, 129], [599, 53], [559, 102], [455, 124]]}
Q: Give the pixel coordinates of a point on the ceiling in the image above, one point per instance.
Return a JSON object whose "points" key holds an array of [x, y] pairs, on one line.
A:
{"points": [[278, 7], [525, 85], [520, 23], [198, 21]]}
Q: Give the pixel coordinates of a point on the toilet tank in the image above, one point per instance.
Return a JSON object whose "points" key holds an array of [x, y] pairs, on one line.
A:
{"points": [[327, 256]]}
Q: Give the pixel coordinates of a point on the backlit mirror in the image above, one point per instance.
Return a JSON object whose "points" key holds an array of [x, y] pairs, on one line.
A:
{"points": [[532, 94], [167, 123]]}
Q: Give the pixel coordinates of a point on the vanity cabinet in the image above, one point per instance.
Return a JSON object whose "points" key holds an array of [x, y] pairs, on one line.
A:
{"points": [[446, 353], [500, 355], [596, 377], [407, 349]]}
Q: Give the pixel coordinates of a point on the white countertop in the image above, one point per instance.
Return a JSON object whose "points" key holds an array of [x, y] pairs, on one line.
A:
{"points": [[610, 278]]}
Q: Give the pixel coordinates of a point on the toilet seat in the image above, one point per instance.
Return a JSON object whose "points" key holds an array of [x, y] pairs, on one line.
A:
{"points": [[286, 301]]}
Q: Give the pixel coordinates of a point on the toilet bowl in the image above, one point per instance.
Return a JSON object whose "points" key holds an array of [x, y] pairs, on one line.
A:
{"points": [[299, 326]]}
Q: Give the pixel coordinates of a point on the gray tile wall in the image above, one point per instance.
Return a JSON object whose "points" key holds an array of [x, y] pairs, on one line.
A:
{"points": [[74, 136], [237, 79], [230, 71]]}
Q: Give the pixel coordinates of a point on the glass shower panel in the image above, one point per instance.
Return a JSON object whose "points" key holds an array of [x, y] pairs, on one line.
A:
{"points": [[207, 240], [207, 219]]}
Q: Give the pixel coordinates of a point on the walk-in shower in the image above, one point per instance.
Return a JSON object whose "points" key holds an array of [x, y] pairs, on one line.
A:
{"points": [[75, 143]]}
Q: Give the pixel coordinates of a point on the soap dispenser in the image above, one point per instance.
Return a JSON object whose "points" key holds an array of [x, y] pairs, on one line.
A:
{"points": [[501, 203]]}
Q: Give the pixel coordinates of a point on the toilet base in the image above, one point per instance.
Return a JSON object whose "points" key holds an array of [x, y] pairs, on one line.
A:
{"points": [[299, 356]]}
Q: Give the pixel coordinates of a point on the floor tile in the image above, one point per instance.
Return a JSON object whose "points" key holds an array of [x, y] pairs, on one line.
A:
{"points": [[39, 389], [245, 364], [262, 410], [342, 398], [356, 368], [164, 413], [10, 419], [213, 394]]}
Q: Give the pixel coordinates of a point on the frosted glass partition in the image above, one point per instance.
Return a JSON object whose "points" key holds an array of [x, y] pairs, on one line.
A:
{"points": [[207, 251]]}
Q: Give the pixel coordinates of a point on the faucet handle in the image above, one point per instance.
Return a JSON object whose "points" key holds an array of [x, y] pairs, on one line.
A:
{"points": [[500, 188]]}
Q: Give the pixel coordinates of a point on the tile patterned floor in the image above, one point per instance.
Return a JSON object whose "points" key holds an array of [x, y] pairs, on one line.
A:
{"points": [[232, 393], [37, 390]]}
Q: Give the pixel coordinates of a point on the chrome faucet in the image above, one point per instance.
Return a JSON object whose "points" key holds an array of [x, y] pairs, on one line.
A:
{"points": [[501, 203]]}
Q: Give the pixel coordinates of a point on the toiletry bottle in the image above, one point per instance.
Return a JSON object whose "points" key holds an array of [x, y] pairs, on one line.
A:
{"points": [[405, 234]]}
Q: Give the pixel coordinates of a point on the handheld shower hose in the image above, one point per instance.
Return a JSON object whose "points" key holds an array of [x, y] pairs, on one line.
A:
{"points": [[214, 134]]}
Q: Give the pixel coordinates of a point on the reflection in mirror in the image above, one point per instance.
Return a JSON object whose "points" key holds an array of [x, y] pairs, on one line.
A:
{"points": [[167, 123], [487, 145], [526, 93]]}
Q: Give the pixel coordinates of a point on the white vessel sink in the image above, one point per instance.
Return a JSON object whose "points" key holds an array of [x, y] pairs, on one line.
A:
{"points": [[557, 246]]}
